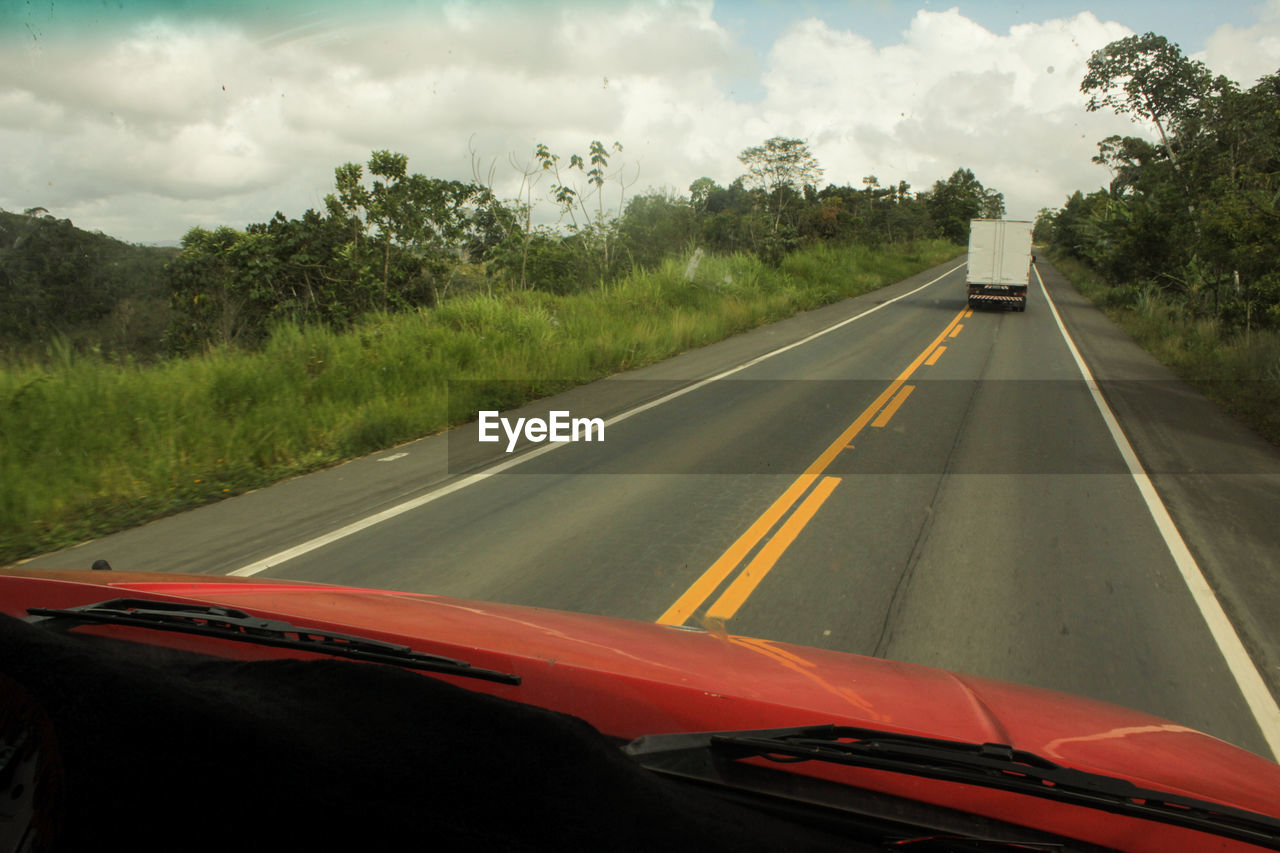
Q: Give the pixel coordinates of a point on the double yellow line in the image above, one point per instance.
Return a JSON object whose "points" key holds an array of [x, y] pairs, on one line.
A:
{"points": [[735, 595]]}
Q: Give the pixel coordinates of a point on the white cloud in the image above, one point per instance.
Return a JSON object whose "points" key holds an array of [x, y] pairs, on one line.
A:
{"points": [[1246, 53], [148, 128], [950, 95]]}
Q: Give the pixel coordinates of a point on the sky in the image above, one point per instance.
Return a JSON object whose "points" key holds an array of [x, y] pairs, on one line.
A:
{"points": [[142, 120]]}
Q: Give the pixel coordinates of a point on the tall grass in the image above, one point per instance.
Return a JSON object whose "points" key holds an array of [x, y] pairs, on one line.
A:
{"points": [[89, 446], [1240, 371]]}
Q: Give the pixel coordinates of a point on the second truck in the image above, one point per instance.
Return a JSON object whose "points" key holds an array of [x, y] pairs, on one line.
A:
{"points": [[999, 266]]}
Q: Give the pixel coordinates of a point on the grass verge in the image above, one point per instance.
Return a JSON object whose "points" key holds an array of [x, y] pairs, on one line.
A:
{"points": [[1241, 372], [89, 446]]}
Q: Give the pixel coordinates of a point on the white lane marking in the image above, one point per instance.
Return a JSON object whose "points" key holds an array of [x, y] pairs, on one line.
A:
{"points": [[422, 500], [1256, 694], [393, 457]]}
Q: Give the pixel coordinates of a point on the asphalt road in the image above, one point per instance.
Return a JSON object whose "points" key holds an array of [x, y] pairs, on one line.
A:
{"points": [[922, 483]]}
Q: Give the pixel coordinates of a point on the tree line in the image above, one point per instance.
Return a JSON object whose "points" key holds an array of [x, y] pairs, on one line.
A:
{"points": [[1194, 214], [389, 239]]}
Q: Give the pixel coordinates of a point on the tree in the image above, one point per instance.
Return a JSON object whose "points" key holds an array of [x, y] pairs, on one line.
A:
{"points": [[1147, 76], [416, 223], [700, 190], [207, 293], [655, 225], [1042, 232], [504, 230], [961, 197], [597, 232], [1233, 159], [1197, 213], [1135, 164], [992, 204], [782, 168], [392, 243]]}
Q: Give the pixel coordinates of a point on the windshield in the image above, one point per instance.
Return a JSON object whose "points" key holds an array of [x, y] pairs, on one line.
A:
{"points": [[939, 336]]}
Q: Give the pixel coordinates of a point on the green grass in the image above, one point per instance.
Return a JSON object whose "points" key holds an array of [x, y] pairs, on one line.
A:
{"points": [[89, 446], [1240, 372]]}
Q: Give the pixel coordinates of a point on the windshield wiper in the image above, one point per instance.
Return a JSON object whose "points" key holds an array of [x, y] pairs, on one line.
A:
{"points": [[989, 765], [229, 624]]}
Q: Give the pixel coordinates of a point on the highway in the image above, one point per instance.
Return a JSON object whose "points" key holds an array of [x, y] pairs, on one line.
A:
{"points": [[895, 475]]}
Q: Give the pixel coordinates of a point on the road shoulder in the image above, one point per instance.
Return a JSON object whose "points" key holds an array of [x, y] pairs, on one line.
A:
{"points": [[1219, 480]]}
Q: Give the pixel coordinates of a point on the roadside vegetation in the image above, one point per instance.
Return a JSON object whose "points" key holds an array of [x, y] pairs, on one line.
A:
{"points": [[1240, 370], [1182, 249]]}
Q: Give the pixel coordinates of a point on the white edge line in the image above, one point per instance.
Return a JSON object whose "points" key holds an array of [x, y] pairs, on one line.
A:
{"points": [[1256, 694], [391, 512]]}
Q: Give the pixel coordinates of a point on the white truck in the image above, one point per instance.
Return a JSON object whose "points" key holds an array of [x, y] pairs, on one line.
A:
{"points": [[999, 263]]}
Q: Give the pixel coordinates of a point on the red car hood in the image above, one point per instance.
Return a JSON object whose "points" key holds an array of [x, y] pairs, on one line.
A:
{"points": [[630, 678]]}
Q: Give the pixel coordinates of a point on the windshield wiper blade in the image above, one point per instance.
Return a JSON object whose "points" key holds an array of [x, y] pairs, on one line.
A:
{"points": [[227, 623], [994, 766]]}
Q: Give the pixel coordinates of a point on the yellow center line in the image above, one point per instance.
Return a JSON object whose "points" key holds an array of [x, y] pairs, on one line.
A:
{"points": [[893, 406], [933, 359], [746, 582], [716, 574], [703, 587], [956, 330]]}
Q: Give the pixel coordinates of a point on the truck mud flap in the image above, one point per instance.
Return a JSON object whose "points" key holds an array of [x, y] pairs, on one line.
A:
{"points": [[1017, 303]]}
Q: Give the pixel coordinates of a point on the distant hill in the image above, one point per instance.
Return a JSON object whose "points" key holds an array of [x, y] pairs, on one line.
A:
{"points": [[59, 279]]}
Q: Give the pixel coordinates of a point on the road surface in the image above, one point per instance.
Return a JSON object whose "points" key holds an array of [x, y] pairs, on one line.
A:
{"points": [[894, 476]]}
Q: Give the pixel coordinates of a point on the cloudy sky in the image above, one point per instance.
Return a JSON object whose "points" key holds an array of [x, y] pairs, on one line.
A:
{"points": [[143, 119]]}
